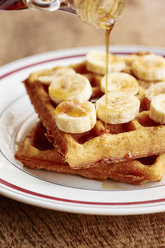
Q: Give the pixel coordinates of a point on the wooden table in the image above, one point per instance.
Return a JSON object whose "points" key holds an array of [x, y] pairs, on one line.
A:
{"points": [[26, 33]]}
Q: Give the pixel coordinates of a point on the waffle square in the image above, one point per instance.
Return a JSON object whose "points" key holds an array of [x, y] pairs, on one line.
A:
{"points": [[36, 152]]}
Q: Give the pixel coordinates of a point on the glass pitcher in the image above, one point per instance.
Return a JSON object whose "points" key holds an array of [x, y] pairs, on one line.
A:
{"points": [[100, 13]]}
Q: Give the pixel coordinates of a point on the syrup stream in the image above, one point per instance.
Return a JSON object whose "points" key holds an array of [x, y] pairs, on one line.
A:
{"points": [[107, 42]]}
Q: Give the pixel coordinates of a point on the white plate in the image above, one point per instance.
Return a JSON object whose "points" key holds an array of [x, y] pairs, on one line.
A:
{"points": [[52, 190]]}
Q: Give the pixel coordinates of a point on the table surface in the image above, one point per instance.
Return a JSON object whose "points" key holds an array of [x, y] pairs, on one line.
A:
{"points": [[26, 33]]}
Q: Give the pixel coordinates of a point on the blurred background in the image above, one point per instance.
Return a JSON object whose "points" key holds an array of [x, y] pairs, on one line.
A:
{"points": [[24, 33]]}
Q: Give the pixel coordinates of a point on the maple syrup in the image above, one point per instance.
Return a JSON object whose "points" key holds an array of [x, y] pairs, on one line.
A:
{"points": [[72, 108], [12, 5], [107, 43], [107, 21]]}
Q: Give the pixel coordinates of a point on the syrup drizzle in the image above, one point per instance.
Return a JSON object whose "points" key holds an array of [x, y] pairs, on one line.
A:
{"points": [[107, 43]]}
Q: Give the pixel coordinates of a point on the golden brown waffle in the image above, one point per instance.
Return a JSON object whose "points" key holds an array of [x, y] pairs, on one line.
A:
{"points": [[139, 138], [36, 152]]}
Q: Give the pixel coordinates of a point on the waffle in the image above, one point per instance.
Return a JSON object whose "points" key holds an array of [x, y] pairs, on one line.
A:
{"points": [[139, 138], [36, 152]]}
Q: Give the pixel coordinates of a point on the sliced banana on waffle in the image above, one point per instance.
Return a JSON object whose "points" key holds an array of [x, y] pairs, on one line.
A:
{"points": [[96, 62], [121, 107], [149, 67], [70, 87], [75, 117], [155, 90], [48, 76], [130, 59], [157, 109], [118, 81]]}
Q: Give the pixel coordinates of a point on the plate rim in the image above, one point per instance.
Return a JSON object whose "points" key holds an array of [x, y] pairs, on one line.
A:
{"points": [[74, 209], [77, 49], [80, 208]]}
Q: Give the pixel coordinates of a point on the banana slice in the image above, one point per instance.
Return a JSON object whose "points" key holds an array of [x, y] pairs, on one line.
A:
{"points": [[121, 107], [96, 62], [155, 90], [70, 87], [149, 67], [49, 75], [75, 117], [157, 109], [118, 81], [130, 59]]}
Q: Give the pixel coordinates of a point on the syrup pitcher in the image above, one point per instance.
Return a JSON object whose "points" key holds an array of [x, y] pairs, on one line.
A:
{"points": [[100, 13]]}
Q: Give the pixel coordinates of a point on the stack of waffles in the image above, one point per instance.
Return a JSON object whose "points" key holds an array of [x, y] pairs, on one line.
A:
{"points": [[73, 136]]}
